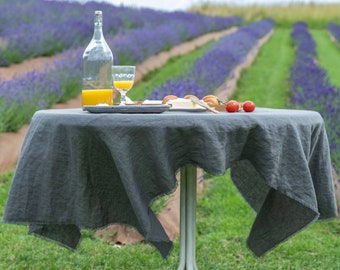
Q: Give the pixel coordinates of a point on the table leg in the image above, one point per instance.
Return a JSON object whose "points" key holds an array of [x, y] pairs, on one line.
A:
{"points": [[188, 189]]}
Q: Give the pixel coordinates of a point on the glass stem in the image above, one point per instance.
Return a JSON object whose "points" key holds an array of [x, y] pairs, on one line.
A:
{"points": [[122, 98]]}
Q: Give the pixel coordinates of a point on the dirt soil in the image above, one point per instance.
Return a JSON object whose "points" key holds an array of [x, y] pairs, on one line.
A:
{"points": [[11, 143]]}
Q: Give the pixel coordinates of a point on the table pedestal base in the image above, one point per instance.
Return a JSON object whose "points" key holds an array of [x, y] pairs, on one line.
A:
{"points": [[188, 189]]}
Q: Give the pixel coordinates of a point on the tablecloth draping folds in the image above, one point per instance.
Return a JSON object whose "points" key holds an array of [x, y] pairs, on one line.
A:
{"points": [[81, 170]]}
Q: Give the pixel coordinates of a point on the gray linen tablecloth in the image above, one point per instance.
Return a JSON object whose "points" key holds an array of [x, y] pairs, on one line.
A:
{"points": [[81, 170]]}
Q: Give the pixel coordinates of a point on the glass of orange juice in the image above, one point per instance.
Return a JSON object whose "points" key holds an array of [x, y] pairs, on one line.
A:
{"points": [[92, 97], [123, 79]]}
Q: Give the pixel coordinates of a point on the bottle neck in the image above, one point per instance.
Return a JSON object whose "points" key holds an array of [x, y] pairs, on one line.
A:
{"points": [[98, 27]]}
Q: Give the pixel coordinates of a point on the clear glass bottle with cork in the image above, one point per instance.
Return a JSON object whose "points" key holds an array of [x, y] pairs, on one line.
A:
{"points": [[97, 68]]}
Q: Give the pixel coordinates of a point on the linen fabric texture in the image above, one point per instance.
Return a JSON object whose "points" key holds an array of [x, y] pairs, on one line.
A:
{"points": [[79, 170]]}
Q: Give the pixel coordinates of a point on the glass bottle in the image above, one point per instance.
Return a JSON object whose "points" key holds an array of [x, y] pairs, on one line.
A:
{"points": [[97, 68]]}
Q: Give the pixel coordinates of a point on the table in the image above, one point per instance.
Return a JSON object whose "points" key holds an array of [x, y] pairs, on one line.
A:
{"points": [[81, 170]]}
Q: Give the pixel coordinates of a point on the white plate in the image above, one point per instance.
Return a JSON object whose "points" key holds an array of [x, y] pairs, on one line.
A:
{"points": [[188, 109], [152, 102]]}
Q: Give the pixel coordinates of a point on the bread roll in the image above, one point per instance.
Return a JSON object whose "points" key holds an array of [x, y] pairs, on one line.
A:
{"points": [[190, 97], [211, 100], [167, 98]]}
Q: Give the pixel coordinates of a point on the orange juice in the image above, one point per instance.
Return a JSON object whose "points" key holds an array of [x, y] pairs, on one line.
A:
{"points": [[123, 85], [93, 97]]}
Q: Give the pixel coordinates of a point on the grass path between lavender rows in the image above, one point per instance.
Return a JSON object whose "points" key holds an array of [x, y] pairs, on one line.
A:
{"points": [[267, 81], [223, 217], [328, 55]]}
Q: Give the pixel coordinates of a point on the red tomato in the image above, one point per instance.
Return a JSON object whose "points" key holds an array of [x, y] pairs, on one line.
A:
{"points": [[232, 106], [248, 106]]}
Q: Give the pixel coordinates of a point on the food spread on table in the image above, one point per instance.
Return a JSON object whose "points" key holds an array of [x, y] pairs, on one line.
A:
{"points": [[190, 103], [210, 102]]}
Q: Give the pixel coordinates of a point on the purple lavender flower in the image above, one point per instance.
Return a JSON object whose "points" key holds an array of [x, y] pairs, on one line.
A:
{"points": [[157, 31], [334, 29], [311, 87], [213, 68], [37, 27]]}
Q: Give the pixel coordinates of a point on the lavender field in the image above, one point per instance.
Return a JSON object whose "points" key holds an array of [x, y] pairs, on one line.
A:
{"points": [[311, 87], [37, 27], [46, 28], [288, 67], [210, 71], [143, 34]]}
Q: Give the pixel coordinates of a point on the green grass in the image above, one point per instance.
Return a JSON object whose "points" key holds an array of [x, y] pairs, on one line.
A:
{"points": [[19, 251], [224, 221], [328, 55], [223, 224], [266, 82]]}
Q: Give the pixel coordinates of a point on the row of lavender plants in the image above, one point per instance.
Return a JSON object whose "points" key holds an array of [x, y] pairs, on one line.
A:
{"points": [[41, 28], [135, 45], [213, 68], [311, 87], [23, 95], [334, 30]]}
